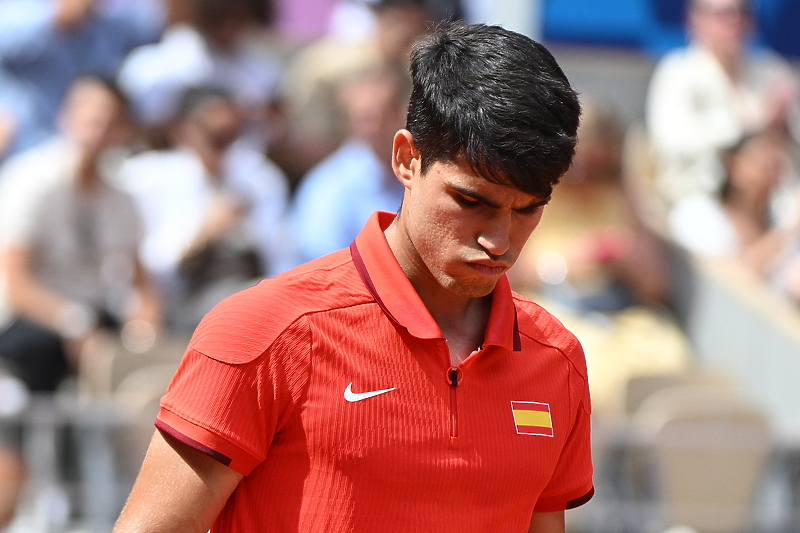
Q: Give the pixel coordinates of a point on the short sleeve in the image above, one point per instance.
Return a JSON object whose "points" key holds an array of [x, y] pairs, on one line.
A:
{"points": [[19, 201], [231, 409], [571, 483]]}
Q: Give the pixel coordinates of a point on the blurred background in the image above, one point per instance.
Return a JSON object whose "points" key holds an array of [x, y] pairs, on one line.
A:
{"points": [[158, 155]]}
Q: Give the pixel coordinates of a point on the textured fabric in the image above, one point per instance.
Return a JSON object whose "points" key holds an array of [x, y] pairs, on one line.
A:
{"points": [[264, 386]]}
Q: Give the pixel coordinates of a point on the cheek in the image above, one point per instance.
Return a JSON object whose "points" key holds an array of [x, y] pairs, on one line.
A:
{"points": [[523, 230], [535, 220], [441, 223], [442, 239]]}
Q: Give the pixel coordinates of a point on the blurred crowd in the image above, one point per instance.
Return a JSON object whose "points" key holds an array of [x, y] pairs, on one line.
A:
{"points": [[158, 155]]}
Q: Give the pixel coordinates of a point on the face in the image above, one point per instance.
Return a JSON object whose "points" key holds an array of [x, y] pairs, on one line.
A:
{"points": [[758, 166], [374, 112], [463, 232], [213, 126], [398, 28], [93, 116], [721, 25]]}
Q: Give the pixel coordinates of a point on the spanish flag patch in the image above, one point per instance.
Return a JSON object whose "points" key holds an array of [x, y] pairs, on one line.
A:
{"points": [[532, 418]]}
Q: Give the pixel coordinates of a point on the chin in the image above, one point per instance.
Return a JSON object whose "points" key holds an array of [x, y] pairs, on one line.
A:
{"points": [[472, 288]]}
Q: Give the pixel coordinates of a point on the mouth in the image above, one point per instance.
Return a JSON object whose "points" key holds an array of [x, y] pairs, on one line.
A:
{"points": [[489, 269]]}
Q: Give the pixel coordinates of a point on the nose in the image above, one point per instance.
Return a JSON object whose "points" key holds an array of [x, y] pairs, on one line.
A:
{"points": [[494, 237]]}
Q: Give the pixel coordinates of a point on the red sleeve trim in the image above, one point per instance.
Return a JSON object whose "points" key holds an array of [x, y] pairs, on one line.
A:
{"points": [[563, 502], [577, 502], [175, 434], [207, 442]]}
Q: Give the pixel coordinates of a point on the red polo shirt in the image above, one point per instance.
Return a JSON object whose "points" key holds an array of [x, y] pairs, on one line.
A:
{"points": [[330, 388]]}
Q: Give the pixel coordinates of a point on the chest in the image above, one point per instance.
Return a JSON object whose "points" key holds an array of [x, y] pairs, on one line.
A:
{"points": [[388, 409], [76, 228]]}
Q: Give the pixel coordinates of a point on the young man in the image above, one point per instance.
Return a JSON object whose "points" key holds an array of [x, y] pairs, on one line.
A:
{"points": [[704, 97], [398, 385]]}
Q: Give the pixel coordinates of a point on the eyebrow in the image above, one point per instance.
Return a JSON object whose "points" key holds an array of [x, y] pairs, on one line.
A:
{"points": [[464, 191]]}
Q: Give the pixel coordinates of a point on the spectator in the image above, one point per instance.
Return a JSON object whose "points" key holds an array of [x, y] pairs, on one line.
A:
{"points": [[68, 247], [70, 239], [213, 208], [337, 196], [312, 124], [216, 42], [46, 44], [741, 223], [705, 97]]}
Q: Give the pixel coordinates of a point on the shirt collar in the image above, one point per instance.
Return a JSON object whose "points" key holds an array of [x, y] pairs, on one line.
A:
{"points": [[394, 293]]}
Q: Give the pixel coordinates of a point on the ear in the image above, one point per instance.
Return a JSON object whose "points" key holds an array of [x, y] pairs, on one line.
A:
{"points": [[405, 157]]}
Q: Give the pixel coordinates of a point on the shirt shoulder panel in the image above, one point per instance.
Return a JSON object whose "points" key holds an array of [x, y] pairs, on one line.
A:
{"points": [[540, 325], [243, 326]]}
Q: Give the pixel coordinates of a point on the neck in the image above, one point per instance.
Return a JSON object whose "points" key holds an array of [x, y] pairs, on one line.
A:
{"points": [[727, 57], [751, 206], [730, 64], [465, 331], [86, 171], [462, 319]]}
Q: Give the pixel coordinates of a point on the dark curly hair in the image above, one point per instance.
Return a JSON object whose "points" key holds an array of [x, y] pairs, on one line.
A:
{"points": [[495, 100]]}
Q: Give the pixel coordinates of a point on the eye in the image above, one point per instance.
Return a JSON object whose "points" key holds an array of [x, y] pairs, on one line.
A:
{"points": [[531, 209], [466, 201]]}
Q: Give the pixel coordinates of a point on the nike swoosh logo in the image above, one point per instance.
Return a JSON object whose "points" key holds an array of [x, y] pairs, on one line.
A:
{"points": [[351, 396]]}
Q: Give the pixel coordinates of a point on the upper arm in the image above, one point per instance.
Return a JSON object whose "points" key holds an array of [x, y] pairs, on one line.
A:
{"points": [[21, 286], [24, 292], [547, 522], [18, 262], [178, 489]]}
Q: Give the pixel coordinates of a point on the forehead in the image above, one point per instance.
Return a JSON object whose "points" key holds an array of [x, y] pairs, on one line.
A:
{"points": [[215, 112], [718, 4], [89, 93]]}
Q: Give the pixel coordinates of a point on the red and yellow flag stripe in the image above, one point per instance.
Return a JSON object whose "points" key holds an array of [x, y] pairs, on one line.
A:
{"points": [[532, 418]]}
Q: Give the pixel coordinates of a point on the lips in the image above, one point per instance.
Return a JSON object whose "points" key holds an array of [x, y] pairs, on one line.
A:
{"points": [[489, 269]]}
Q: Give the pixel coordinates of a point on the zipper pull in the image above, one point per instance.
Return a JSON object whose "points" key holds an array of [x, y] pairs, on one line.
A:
{"points": [[453, 379], [452, 375]]}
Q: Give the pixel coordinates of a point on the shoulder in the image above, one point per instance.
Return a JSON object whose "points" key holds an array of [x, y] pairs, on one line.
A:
{"points": [[348, 173], [539, 325], [157, 169], [681, 62], [763, 64], [245, 325], [39, 163], [700, 224], [252, 170], [29, 176], [118, 199], [348, 164], [329, 179], [178, 41]]}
